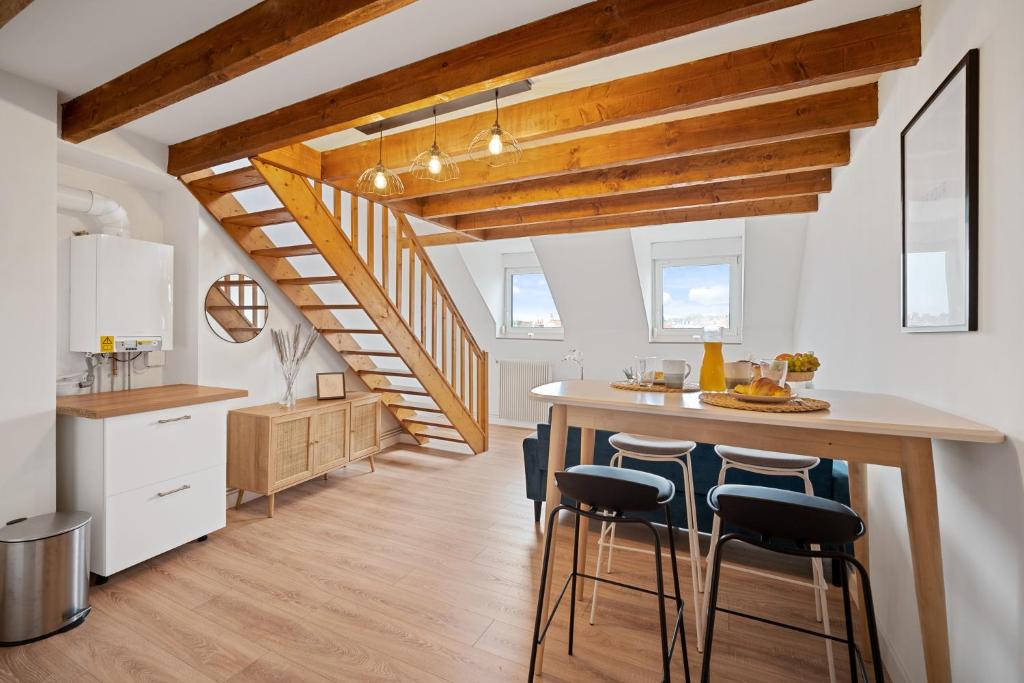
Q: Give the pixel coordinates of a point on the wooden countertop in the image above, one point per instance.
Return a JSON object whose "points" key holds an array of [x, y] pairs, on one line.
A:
{"points": [[115, 403], [851, 411]]}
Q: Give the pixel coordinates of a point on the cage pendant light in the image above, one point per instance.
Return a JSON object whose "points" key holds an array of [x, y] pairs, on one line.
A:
{"points": [[433, 163], [379, 179], [495, 145]]}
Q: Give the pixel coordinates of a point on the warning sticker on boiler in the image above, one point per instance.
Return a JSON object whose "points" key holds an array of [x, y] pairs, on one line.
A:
{"points": [[106, 344]]}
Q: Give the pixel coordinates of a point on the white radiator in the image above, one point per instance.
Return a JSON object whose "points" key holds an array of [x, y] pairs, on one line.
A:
{"points": [[515, 380]]}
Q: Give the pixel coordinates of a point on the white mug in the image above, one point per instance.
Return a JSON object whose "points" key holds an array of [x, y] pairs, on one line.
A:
{"points": [[676, 372]]}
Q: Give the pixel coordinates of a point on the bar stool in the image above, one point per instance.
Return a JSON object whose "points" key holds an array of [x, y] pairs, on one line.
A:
{"points": [[773, 464], [768, 514], [655, 449], [611, 494]]}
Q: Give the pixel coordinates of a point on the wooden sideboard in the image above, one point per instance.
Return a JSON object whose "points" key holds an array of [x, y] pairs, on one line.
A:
{"points": [[271, 447]]}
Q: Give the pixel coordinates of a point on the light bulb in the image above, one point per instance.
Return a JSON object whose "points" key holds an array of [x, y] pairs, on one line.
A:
{"points": [[495, 146], [379, 181], [434, 165]]}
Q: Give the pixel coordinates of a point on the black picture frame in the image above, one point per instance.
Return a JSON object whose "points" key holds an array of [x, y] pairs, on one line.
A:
{"points": [[330, 385], [969, 68]]}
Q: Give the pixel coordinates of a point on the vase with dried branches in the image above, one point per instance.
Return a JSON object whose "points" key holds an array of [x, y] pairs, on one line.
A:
{"points": [[292, 349]]}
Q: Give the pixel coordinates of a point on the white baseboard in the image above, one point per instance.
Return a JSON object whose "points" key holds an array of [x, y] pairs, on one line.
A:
{"points": [[523, 424], [894, 667]]}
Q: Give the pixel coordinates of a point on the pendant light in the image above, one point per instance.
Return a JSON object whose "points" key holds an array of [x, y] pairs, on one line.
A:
{"points": [[495, 145], [434, 164], [379, 179]]}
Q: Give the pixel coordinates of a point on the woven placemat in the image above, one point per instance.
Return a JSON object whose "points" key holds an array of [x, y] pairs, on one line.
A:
{"points": [[656, 388], [797, 405]]}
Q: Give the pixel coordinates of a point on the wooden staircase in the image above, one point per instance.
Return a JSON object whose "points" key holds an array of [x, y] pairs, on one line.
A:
{"points": [[433, 377]]}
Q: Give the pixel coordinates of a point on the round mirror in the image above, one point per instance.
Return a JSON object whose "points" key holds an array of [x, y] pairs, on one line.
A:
{"points": [[236, 308]]}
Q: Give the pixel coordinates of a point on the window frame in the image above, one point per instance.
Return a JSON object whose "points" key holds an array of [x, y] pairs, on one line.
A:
{"points": [[508, 330], [731, 335]]}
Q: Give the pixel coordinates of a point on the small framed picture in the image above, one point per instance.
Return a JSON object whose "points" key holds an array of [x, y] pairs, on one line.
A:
{"points": [[330, 385]]}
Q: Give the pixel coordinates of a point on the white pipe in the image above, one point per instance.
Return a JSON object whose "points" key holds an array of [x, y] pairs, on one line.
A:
{"points": [[109, 216]]}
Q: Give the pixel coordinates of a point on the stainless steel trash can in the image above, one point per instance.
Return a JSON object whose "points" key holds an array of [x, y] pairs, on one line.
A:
{"points": [[44, 576]]}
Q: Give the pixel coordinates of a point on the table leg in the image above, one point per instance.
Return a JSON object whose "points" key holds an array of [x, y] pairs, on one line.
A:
{"points": [[859, 503], [586, 458], [556, 462], [919, 497]]}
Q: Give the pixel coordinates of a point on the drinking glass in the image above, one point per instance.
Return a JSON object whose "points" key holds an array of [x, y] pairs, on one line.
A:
{"points": [[775, 370], [644, 369]]}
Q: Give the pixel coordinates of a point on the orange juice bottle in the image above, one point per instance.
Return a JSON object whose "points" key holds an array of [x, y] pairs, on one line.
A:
{"points": [[712, 368]]}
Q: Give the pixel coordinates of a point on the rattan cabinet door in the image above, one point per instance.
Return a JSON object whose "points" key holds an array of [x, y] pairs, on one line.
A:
{"points": [[330, 439], [290, 460], [365, 429]]}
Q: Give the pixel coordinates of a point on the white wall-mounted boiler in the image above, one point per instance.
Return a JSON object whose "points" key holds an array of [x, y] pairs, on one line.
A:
{"points": [[122, 295]]}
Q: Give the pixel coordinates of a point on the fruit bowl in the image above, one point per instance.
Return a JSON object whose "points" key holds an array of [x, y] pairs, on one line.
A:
{"points": [[799, 376]]}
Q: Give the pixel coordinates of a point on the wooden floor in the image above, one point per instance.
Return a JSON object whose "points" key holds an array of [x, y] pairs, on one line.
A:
{"points": [[423, 571]]}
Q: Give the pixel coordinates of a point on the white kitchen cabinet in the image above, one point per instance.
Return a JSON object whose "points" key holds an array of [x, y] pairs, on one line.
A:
{"points": [[152, 480]]}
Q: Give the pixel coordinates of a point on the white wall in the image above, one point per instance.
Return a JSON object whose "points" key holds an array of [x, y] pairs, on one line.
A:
{"points": [[595, 284], [252, 365], [28, 280], [850, 315]]}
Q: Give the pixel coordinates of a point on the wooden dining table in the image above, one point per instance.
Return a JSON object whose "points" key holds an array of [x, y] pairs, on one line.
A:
{"points": [[860, 428]]}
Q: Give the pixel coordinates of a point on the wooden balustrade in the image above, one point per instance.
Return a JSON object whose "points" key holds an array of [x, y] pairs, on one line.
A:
{"points": [[387, 244]]}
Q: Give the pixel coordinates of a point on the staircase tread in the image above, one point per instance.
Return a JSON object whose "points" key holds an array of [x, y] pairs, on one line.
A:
{"points": [[387, 372], [434, 433], [230, 181], [258, 219], [371, 352], [318, 280], [415, 405], [285, 252], [330, 307], [397, 389], [347, 330], [429, 422]]}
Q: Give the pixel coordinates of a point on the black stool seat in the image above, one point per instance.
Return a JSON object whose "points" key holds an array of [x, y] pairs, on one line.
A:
{"points": [[615, 488], [786, 514]]}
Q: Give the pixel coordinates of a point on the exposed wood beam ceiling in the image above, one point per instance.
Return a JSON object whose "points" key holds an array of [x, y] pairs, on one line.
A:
{"points": [[748, 162], [767, 187], [814, 115], [263, 33], [10, 8], [863, 48], [762, 207], [582, 34]]}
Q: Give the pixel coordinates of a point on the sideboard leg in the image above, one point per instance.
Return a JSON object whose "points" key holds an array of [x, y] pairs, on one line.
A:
{"points": [[238, 500], [270, 505], [373, 468]]}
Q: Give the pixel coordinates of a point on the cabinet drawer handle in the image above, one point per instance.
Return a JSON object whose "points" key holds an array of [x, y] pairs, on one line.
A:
{"points": [[183, 487], [173, 419]]}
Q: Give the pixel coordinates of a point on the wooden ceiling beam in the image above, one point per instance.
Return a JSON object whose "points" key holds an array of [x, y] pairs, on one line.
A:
{"points": [[262, 34], [763, 207], [581, 34], [441, 238], [812, 115], [793, 156], [767, 187], [866, 47], [10, 9]]}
